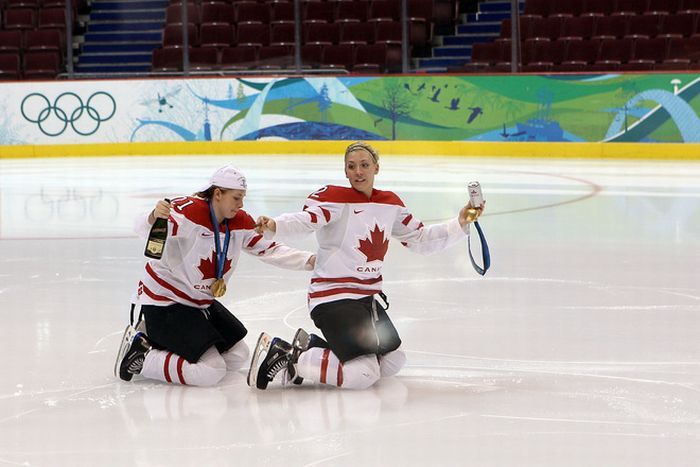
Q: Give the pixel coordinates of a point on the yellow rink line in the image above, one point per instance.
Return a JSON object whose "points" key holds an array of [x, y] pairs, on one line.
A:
{"points": [[657, 151]]}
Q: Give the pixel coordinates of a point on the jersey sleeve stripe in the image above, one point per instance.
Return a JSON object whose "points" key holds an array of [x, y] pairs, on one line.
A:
{"points": [[314, 217], [269, 248], [326, 214], [255, 240]]}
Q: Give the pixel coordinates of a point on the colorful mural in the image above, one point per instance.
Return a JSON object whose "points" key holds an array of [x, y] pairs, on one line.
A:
{"points": [[580, 108]]}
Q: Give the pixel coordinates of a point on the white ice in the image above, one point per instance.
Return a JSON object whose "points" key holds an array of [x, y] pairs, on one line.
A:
{"points": [[580, 347]]}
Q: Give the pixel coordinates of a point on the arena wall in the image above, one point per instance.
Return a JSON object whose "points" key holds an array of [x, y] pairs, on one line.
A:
{"points": [[578, 116]]}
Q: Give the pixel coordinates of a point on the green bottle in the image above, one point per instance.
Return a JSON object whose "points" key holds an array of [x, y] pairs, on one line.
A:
{"points": [[156, 238]]}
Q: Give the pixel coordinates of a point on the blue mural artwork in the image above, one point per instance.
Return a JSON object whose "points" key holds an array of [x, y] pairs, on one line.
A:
{"points": [[532, 108]]}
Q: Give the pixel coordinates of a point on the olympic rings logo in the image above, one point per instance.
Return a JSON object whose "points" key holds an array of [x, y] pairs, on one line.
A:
{"points": [[68, 109]]}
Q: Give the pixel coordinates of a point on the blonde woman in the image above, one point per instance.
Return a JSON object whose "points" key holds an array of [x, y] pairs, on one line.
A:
{"points": [[352, 225]]}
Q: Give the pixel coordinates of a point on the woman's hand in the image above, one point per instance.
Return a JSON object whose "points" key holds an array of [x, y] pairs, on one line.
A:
{"points": [[162, 211], [312, 262], [265, 224], [469, 214]]}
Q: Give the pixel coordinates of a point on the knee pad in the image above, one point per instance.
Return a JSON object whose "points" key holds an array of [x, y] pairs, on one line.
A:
{"points": [[361, 372], [391, 363], [208, 371], [237, 356]]}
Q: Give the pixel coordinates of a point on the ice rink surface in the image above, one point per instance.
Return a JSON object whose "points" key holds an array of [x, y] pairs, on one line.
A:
{"points": [[580, 347]]}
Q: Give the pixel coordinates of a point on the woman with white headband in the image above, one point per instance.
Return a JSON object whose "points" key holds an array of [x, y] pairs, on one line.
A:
{"points": [[190, 337], [360, 343]]}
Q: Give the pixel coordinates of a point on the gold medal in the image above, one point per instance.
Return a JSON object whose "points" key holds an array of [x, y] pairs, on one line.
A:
{"points": [[218, 288]]}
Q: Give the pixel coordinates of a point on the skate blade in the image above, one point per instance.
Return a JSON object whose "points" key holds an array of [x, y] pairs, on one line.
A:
{"points": [[127, 337], [301, 340], [261, 348]]}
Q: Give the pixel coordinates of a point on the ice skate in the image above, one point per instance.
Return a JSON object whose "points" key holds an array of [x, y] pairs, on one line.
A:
{"points": [[300, 344], [270, 358], [261, 349], [132, 354]]}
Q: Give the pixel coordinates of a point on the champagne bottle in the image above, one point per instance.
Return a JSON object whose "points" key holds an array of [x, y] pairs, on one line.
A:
{"points": [[156, 238]]}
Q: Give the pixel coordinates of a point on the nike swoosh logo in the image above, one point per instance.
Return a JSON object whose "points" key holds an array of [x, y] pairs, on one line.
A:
{"points": [[207, 234], [356, 211]]}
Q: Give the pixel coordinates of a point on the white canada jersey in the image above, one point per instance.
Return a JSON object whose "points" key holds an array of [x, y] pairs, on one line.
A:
{"points": [[187, 268], [353, 236]]}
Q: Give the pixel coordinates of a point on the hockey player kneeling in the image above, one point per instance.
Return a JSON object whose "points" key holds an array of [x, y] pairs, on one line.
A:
{"points": [[360, 344], [186, 335]]}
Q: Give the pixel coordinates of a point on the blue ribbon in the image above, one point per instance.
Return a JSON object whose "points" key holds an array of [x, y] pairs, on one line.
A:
{"points": [[485, 254], [220, 254]]}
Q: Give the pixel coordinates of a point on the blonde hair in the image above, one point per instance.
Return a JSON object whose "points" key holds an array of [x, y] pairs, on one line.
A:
{"points": [[361, 145]]}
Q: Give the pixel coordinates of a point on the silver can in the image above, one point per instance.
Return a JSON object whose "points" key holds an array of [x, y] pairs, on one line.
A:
{"points": [[475, 196]]}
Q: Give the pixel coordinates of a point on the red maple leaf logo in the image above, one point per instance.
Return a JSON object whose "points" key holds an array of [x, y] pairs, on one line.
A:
{"points": [[207, 266], [375, 246]]}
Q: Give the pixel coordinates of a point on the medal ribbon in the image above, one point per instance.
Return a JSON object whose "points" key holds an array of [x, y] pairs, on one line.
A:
{"points": [[485, 254], [220, 253]]}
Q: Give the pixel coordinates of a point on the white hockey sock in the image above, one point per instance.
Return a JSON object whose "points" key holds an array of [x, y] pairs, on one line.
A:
{"points": [[322, 366], [171, 368]]}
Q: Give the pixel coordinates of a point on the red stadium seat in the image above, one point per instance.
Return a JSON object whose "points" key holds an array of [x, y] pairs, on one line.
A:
{"points": [[580, 27], [537, 7], [10, 41], [370, 58], [385, 10], [357, 33], [202, 58], [665, 6], [43, 65], [253, 34], [352, 11], [315, 11], [282, 34], [216, 35], [276, 56], [680, 25], [321, 33], [282, 12], [52, 18], [252, 12], [173, 35], [43, 40], [239, 58], [338, 56], [173, 14], [20, 19], [644, 26], [311, 55], [611, 27], [581, 56], [217, 13], [566, 8], [9, 66], [598, 7]]}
